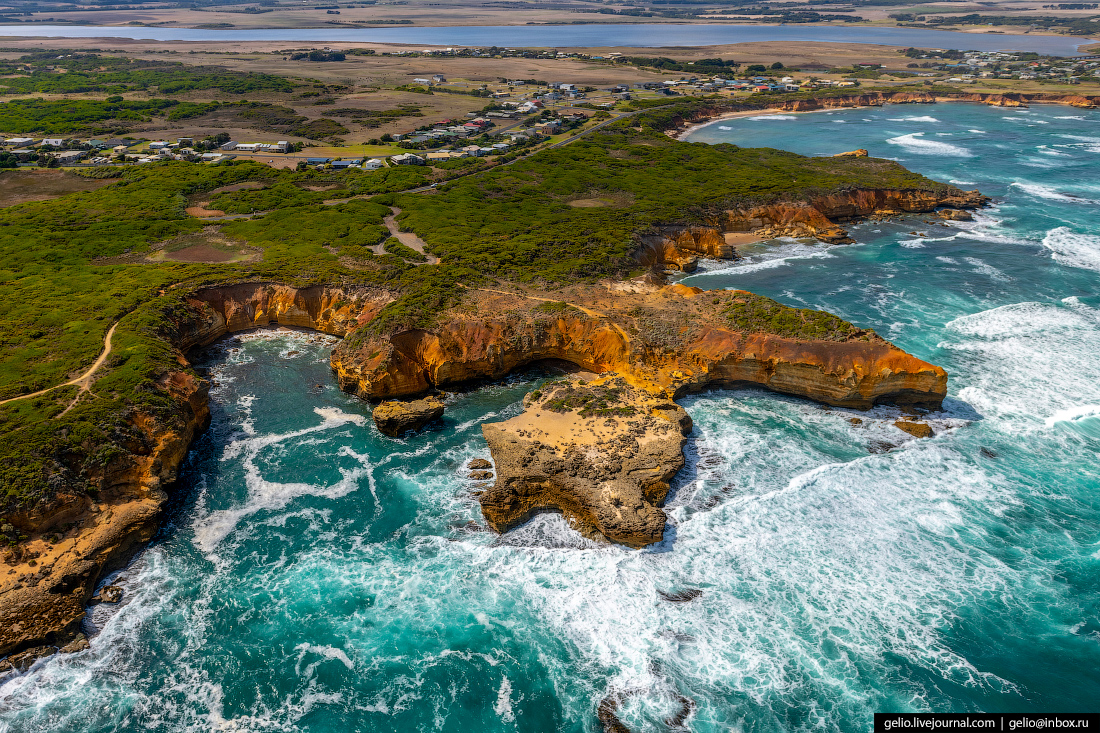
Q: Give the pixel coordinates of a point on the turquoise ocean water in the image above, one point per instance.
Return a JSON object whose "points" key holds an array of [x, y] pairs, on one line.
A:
{"points": [[316, 576]]}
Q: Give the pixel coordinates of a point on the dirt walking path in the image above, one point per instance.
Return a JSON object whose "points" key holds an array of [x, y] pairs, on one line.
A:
{"points": [[84, 381], [409, 239]]}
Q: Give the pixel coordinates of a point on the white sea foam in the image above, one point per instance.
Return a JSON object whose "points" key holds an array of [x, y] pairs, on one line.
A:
{"points": [[725, 128], [1051, 194], [922, 118], [773, 256], [503, 705], [1071, 414], [1071, 248], [1046, 346], [769, 118], [984, 268], [977, 132], [324, 651], [212, 528], [962, 183], [916, 143]]}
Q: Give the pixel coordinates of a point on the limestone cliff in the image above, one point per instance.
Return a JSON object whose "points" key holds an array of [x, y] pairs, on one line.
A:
{"points": [[42, 602], [877, 99], [664, 340], [217, 311], [600, 453], [677, 247]]}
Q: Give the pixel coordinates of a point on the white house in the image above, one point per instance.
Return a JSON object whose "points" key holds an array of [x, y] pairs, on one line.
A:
{"points": [[407, 159], [373, 164]]}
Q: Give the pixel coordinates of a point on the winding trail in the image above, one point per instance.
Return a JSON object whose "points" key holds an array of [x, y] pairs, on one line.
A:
{"points": [[84, 381], [409, 239]]}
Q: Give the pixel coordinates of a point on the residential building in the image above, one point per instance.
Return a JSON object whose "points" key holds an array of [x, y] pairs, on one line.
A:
{"points": [[407, 159]]}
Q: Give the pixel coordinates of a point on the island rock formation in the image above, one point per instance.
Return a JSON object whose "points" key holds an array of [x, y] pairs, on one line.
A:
{"points": [[601, 454], [397, 418]]}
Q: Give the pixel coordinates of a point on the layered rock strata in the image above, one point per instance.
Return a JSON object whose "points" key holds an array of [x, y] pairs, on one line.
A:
{"points": [[42, 599], [672, 339], [214, 312], [600, 453], [680, 247], [662, 343], [397, 418]]}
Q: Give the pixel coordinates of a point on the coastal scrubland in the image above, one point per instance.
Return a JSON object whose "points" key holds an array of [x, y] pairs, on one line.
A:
{"points": [[76, 264]]}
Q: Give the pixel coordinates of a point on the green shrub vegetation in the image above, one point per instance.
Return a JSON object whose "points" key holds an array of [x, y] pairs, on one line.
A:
{"points": [[54, 72], [751, 313], [515, 221], [394, 247], [60, 116], [278, 196], [73, 265], [590, 401]]}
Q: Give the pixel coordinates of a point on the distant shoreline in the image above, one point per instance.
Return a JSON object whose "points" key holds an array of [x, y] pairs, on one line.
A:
{"points": [[588, 35], [682, 133]]}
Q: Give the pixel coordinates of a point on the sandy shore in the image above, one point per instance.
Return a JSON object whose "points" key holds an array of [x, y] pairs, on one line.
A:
{"points": [[679, 134]]}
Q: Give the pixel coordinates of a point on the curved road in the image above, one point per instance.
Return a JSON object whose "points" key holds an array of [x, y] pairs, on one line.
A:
{"points": [[84, 381]]}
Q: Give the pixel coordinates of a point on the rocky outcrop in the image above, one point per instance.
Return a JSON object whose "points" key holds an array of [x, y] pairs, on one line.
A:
{"points": [[916, 429], [601, 454], [678, 247], [860, 153], [42, 602], [955, 215], [397, 418], [671, 341]]}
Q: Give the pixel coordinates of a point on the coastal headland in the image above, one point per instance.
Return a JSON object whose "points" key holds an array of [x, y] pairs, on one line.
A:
{"points": [[528, 270]]}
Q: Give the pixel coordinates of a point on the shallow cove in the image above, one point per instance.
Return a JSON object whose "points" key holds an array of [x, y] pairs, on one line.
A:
{"points": [[315, 576]]}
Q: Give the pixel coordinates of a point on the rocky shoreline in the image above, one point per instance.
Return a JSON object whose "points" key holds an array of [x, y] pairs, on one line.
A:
{"points": [[650, 344]]}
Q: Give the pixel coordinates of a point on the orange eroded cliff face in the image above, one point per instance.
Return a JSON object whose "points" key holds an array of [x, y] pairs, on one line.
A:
{"points": [[877, 99], [226, 309], [43, 601], [667, 341], [848, 374], [678, 247], [464, 348]]}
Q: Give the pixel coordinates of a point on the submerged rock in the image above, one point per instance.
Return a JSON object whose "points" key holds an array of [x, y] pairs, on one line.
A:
{"points": [[396, 418], [683, 596], [916, 429], [477, 464]]}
